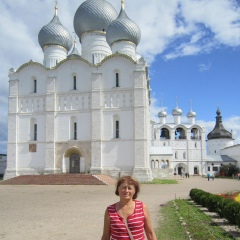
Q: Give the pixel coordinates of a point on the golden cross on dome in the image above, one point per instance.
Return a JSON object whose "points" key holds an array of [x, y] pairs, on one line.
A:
{"points": [[56, 7], [122, 1]]}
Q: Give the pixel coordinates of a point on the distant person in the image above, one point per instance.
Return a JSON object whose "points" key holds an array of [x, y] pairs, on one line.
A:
{"points": [[208, 176], [129, 218], [213, 176], [239, 176]]}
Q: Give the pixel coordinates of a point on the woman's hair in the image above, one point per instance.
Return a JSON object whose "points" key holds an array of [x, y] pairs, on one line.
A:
{"points": [[131, 181]]}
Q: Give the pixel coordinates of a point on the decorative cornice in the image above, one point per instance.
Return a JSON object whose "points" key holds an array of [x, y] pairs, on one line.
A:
{"points": [[30, 63], [73, 57], [117, 54]]}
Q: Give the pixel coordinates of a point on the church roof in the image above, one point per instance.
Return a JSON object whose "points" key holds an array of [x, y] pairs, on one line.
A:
{"points": [[93, 15], [219, 131], [55, 33], [123, 29], [220, 158]]}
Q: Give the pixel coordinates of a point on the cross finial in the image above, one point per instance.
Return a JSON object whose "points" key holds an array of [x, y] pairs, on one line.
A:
{"points": [[162, 102], [75, 40], [56, 7], [177, 101], [191, 104], [122, 1]]}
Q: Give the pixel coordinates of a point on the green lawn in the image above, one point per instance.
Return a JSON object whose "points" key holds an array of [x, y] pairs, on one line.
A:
{"points": [[198, 224]]}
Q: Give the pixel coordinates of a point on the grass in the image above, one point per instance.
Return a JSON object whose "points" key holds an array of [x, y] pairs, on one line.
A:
{"points": [[161, 181], [198, 224]]}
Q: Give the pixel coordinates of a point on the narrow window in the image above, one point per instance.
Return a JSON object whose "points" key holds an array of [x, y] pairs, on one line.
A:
{"points": [[93, 60], [74, 83], [34, 85], [75, 131], [35, 132], [117, 79], [117, 129]]}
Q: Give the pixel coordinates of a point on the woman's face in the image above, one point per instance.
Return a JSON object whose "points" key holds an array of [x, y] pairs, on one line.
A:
{"points": [[126, 191]]}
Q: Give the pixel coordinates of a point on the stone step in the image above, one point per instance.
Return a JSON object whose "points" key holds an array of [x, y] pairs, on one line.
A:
{"points": [[55, 179], [107, 179]]}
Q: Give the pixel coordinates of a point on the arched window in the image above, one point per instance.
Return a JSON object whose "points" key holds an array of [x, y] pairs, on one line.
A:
{"points": [[180, 133], [164, 133], [153, 165], [116, 126], [33, 129], [195, 133], [157, 164], [74, 83], [73, 128], [117, 79], [34, 85]]}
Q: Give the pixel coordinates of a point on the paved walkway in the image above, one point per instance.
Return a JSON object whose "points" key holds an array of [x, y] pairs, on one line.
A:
{"points": [[76, 212]]}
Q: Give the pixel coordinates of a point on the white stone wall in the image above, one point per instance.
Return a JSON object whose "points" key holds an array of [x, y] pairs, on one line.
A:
{"points": [[216, 145], [233, 152]]}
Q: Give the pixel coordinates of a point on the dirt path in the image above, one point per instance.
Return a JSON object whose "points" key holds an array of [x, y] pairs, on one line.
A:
{"points": [[76, 212]]}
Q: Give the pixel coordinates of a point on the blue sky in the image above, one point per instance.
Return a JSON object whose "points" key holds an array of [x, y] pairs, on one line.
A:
{"points": [[192, 47]]}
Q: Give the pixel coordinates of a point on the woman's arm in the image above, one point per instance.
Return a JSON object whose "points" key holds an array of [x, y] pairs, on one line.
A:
{"points": [[148, 225], [106, 227]]}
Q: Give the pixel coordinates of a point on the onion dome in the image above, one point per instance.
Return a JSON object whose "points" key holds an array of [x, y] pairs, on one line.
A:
{"points": [[219, 131], [93, 15], [176, 111], [123, 29], [55, 33], [191, 114], [162, 113]]}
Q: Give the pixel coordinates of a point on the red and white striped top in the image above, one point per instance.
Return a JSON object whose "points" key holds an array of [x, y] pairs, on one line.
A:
{"points": [[135, 223]]}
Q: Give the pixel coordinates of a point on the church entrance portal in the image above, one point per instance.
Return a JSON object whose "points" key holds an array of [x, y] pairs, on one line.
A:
{"points": [[74, 163]]}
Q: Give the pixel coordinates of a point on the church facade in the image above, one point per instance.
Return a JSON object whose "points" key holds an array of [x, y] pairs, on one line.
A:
{"points": [[82, 114]]}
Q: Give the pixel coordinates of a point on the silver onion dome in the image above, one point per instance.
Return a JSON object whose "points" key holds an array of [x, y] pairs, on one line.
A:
{"points": [[191, 114], [162, 113], [55, 33], [123, 28], [93, 15], [176, 111]]}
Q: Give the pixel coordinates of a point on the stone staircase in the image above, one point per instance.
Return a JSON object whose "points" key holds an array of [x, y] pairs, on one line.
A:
{"points": [[59, 179], [107, 179]]}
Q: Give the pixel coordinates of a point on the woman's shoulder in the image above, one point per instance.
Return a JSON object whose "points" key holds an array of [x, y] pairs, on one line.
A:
{"points": [[112, 206]]}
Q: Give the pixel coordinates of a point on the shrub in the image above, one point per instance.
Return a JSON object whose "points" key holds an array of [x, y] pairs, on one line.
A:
{"points": [[226, 208]]}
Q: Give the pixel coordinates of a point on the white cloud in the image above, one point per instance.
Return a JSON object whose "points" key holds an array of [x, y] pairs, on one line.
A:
{"points": [[204, 67]]}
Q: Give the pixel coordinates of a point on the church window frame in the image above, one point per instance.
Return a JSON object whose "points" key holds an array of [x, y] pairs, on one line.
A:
{"points": [[74, 82], [33, 129], [73, 128], [116, 126], [35, 132], [35, 85], [117, 79]]}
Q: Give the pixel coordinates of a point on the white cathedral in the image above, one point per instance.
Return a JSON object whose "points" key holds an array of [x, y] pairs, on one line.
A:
{"points": [[89, 113]]}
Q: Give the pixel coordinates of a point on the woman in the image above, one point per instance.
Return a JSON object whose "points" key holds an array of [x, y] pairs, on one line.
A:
{"points": [[128, 218]]}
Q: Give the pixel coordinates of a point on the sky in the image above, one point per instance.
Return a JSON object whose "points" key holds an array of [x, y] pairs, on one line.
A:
{"points": [[192, 48]]}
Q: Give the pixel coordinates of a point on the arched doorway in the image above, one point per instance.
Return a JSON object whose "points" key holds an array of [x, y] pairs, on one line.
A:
{"points": [[74, 163]]}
